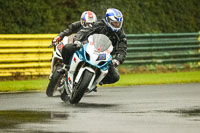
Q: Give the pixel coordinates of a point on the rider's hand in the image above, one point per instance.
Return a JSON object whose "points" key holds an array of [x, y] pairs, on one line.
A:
{"points": [[115, 63], [78, 44], [56, 40]]}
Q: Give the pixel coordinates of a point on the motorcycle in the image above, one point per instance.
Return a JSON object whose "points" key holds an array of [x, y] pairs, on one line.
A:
{"points": [[56, 80], [88, 66]]}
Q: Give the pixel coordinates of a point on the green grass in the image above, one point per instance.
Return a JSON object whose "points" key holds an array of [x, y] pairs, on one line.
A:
{"points": [[125, 80], [158, 78], [23, 85]]}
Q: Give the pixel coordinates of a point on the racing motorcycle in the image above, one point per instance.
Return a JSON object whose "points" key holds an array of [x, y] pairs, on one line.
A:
{"points": [[88, 66], [56, 80]]}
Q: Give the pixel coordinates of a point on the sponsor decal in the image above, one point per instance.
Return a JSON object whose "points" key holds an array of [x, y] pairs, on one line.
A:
{"points": [[74, 59], [69, 80], [60, 46], [99, 48]]}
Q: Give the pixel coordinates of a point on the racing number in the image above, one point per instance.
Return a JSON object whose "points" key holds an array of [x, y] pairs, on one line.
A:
{"points": [[102, 57]]}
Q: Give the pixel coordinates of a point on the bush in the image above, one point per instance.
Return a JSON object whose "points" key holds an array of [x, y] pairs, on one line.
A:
{"points": [[140, 16]]}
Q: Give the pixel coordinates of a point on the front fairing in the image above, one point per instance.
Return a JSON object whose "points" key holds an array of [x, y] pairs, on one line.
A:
{"points": [[94, 54], [97, 52]]}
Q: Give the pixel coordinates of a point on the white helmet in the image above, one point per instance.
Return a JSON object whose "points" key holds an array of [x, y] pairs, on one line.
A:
{"points": [[87, 18], [114, 19]]}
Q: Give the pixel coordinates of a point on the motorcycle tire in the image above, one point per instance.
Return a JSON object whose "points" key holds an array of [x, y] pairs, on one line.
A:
{"points": [[54, 82], [81, 88]]}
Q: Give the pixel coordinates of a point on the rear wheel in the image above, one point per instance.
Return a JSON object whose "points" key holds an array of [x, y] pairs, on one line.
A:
{"points": [[54, 82], [79, 91]]}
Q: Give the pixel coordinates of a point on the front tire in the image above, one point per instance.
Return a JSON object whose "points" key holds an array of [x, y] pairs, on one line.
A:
{"points": [[54, 82], [79, 91]]}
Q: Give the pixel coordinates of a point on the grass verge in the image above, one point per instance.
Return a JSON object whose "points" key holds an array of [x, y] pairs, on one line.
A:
{"points": [[125, 80], [24, 85], [158, 78]]}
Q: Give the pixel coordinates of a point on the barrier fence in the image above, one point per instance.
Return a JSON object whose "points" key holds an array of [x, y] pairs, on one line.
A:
{"points": [[29, 55], [25, 54], [163, 48]]}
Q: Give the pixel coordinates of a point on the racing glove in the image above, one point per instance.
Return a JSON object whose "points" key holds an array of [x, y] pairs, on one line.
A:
{"points": [[56, 40], [78, 44], [115, 63]]}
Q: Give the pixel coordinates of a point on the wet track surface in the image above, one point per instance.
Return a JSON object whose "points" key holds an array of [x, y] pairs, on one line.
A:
{"points": [[137, 109]]}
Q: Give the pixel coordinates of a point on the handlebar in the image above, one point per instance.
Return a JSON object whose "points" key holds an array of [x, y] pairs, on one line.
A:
{"points": [[53, 45]]}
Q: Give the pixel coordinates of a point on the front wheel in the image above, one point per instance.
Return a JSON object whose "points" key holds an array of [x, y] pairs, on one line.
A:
{"points": [[79, 91], [54, 82]]}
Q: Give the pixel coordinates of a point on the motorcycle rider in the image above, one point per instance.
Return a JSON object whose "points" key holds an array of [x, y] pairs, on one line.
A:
{"points": [[111, 26], [86, 21]]}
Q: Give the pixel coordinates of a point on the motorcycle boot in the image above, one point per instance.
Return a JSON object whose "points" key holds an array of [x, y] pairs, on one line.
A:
{"points": [[101, 83]]}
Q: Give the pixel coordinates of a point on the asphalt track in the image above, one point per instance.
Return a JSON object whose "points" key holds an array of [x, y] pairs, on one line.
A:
{"points": [[137, 109]]}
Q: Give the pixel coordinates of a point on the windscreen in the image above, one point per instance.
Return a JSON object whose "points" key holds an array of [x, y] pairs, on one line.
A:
{"points": [[101, 42]]}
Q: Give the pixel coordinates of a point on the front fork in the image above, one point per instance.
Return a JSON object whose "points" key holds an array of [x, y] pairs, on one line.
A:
{"points": [[54, 63]]}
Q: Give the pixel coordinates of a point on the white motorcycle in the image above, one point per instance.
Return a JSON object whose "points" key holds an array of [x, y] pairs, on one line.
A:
{"points": [[56, 81], [88, 67]]}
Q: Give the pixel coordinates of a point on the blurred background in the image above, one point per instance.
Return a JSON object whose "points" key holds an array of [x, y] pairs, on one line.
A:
{"points": [[140, 16]]}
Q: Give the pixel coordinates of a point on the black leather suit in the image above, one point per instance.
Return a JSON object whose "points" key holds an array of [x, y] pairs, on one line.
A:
{"points": [[71, 29], [118, 40]]}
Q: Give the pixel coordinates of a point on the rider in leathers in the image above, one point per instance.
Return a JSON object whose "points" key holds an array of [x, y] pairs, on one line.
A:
{"points": [[87, 18], [72, 28], [110, 27]]}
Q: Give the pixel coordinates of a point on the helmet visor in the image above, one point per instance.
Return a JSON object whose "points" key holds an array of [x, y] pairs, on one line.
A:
{"points": [[116, 24], [113, 23], [88, 25]]}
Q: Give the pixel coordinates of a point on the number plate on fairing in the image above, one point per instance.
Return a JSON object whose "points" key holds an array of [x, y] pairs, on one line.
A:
{"points": [[101, 57]]}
